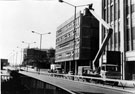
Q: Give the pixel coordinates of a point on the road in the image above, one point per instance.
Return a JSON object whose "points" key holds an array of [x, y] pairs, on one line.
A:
{"points": [[80, 87]]}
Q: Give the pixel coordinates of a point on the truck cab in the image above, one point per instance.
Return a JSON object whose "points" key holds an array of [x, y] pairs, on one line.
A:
{"points": [[87, 71]]}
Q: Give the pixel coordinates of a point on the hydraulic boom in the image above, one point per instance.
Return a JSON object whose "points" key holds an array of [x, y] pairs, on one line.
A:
{"points": [[106, 39]]}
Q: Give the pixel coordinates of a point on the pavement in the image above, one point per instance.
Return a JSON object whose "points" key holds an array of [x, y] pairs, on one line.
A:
{"points": [[79, 87]]}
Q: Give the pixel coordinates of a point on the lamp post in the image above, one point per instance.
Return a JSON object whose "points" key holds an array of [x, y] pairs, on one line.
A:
{"points": [[13, 58], [61, 1], [41, 34], [21, 56]]}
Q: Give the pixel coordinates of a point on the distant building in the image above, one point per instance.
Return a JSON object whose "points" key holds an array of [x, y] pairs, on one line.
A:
{"points": [[79, 49], [35, 57], [120, 14], [3, 62]]}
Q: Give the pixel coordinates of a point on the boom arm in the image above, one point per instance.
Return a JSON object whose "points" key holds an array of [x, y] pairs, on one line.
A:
{"points": [[105, 41]]}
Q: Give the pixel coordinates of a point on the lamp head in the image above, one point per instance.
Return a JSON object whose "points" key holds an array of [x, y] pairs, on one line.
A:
{"points": [[61, 1], [33, 31]]}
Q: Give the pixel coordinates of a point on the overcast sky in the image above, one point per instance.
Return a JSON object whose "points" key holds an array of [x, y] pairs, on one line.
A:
{"points": [[19, 17]]}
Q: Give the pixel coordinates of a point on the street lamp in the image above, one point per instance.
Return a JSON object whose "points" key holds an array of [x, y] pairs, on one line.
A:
{"points": [[90, 6], [13, 58], [28, 43], [41, 36], [21, 56]]}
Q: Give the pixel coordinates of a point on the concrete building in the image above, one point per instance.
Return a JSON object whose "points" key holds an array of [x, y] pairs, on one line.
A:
{"points": [[120, 14], [79, 47]]}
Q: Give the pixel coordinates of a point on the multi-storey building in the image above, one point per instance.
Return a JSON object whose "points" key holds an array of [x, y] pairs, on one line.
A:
{"points": [[120, 14], [77, 48]]}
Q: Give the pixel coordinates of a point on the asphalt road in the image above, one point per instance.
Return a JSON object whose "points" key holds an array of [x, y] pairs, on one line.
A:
{"points": [[79, 87]]}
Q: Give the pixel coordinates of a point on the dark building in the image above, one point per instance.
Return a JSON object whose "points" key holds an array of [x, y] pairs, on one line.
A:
{"points": [[120, 14], [79, 47], [4, 62], [35, 57]]}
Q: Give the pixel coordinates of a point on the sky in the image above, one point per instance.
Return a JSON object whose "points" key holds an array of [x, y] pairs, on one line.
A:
{"points": [[18, 18]]}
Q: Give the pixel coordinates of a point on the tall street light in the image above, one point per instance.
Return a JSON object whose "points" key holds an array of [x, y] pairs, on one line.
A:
{"points": [[13, 58], [61, 1], [41, 34], [21, 55]]}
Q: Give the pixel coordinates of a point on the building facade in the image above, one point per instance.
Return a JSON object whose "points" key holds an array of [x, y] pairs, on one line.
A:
{"points": [[77, 48], [120, 14]]}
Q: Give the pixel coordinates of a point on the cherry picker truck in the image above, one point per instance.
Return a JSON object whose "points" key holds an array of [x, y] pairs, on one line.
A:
{"points": [[100, 70]]}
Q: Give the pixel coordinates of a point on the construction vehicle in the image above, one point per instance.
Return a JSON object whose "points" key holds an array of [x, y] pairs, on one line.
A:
{"points": [[103, 70], [106, 71], [87, 71]]}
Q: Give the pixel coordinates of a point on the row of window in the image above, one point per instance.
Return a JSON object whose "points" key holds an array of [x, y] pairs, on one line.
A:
{"points": [[110, 2], [112, 15], [68, 36], [68, 45], [133, 21], [128, 8], [130, 38], [68, 54], [115, 39], [130, 32], [113, 10], [69, 27]]}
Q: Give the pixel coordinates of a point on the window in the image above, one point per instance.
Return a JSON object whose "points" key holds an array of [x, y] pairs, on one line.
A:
{"points": [[133, 33], [105, 16], [108, 14], [116, 37], [118, 8], [128, 39], [133, 8], [133, 19], [116, 11], [111, 68], [133, 1], [111, 1], [108, 2], [105, 2], [111, 13]]}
